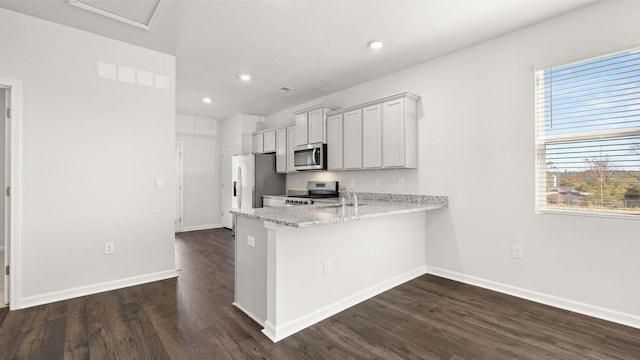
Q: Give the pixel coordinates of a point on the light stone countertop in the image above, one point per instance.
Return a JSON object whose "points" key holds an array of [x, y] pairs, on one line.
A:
{"points": [[371, 205]]}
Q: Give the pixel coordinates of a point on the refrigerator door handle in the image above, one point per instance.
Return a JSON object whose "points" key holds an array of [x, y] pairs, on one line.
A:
{"points": [[235, 190]]}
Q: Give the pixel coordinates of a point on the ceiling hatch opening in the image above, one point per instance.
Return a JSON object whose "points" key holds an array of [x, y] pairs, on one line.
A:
{"points": [[143, 14]]}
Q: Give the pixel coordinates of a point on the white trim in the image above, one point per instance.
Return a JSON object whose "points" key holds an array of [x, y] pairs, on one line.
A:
{"points": [[95, 288], [149, 26], [280, 332], [610, 215], [15, 220], [249, 313], [200, 227], [589, 54], [551, 300]]}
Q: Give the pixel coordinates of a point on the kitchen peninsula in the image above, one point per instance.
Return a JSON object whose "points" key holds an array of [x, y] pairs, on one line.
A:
{"points": [[298, 265]]}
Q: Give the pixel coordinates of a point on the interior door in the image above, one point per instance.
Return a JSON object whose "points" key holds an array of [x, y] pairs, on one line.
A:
{"points": [[179, 186]]}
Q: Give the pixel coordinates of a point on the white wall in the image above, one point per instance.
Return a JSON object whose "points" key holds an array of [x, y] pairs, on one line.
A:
{"points": [[476, 143], [238, 130], [92, 148], [201, 171]]}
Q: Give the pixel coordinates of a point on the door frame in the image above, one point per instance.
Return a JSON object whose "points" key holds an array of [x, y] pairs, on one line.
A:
{"points": [[13, 222], [223, 170], [180, 184]]}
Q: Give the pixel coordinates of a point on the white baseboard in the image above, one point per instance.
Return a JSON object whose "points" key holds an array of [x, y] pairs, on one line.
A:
{"points": [[277, 333], [562, 303], [93, 289], [249, 313], [200, 227]]}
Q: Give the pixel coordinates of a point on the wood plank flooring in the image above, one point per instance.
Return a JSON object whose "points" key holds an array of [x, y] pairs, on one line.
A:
{"points": [[192, 318]]}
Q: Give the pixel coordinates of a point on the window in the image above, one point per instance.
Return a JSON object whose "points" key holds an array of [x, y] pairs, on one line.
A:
{"points": [[588, 136]]}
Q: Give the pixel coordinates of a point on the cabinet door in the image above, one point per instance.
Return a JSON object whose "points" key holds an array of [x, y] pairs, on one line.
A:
{"points": [[334, 142], [352, 139], [281, 150], [301, 129], [372, 136], [258, 144], [291, 145], [269, 142], [316, 122], [393, 125]]}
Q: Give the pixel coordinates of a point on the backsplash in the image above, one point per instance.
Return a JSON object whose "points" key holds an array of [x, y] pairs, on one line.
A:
{"points": [[396, 181]]}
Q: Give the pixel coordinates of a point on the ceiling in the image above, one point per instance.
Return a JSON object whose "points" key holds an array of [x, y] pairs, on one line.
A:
{"points": [[316, 47]]}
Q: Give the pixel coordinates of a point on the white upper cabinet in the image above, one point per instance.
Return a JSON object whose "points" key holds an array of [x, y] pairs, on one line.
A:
{"points": [[281, 150], [269, 142], [311, 125], [400, 133], [302, 135], [381, 134], [258, 143], [372, 136], [316, 122], [291, 145], [334, 142], [352, 139]]}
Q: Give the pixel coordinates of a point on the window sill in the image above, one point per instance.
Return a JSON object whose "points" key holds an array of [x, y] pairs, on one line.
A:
{"points": [[590, 214]]}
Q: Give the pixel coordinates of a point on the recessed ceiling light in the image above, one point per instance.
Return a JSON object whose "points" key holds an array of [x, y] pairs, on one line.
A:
{"points": [[206, 100], [375, 44], [244, 77]]}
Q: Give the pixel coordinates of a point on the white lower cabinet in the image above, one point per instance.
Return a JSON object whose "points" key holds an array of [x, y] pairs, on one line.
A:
{"points": [[334, 142], [352, 136]]}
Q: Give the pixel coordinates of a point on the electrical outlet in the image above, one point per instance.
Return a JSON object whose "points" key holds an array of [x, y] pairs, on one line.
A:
{"points": [[401, 182], [251, 241], [326, 268], [377, 182], [353, 182], [517, 252], [108, 248]]}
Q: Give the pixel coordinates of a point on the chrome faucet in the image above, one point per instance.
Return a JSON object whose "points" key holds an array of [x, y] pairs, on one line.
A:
{"points": [[353, 197]]}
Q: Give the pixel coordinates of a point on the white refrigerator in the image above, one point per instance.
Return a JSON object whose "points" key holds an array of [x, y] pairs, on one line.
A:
{"points": [[254, 175]]}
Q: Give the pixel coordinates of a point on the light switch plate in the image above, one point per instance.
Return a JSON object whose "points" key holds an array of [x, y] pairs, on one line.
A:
{"points": [[159, 183]]}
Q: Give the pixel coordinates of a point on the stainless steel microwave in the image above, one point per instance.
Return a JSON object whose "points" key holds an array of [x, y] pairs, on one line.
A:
{"points": [[310, 157]]}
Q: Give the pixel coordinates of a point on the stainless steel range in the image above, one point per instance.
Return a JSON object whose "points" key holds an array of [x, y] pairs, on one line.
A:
{"points": [[316, 190]]}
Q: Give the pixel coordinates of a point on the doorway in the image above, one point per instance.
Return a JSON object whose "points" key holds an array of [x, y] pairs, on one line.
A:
{"points": [[227, 186], [10, 113]]}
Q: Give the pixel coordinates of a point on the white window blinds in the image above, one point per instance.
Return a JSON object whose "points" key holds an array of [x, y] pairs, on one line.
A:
{"points": [[588, 135]]}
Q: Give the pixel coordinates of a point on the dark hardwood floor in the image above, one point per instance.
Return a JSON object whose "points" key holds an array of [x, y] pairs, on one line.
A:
{"points": [[192, 318]]}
